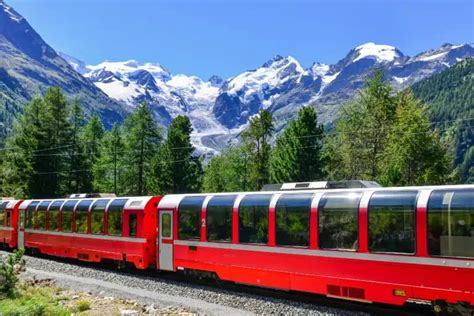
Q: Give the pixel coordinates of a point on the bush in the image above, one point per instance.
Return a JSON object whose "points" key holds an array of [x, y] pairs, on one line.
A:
{"points": [[83, 305], [32, 300], [10, 267]]}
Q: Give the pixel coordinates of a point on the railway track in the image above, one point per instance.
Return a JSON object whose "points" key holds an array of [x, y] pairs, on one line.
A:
{"points": [[242, 297]]}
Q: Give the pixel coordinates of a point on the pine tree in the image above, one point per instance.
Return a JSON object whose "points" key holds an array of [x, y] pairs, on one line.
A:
{"points": [[38, 148], [296, 156], [356, 150], [92, 136], [92, 141], [18, 169], [414, 154], [57, 129], [107, 169], [79, 180], [177, 170], [257, 138], [142, 139]]}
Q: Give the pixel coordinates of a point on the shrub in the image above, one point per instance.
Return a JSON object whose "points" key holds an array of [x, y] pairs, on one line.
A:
{"points": [[10, 267], [83, 305]]}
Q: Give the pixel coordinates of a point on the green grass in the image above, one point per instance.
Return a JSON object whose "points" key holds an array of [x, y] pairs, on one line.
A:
{"points": [[35, 301], [83, 305]]}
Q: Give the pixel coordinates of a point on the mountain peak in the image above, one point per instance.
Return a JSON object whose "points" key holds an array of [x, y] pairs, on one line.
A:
{"points": [[215, 80], [16, 30], [12, 14], [129, 66], [132, 63], [278, 60], [382, 53]]}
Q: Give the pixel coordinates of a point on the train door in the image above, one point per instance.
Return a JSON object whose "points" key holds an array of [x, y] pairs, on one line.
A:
{"points": [[21, 229], [165, 244]]}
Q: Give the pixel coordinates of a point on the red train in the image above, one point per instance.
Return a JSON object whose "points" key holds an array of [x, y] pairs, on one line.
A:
{"points": [[386, 245]]}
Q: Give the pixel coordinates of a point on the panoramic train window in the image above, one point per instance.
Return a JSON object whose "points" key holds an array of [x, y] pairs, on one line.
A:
{"points": [[41, 215], [337, 221], [81, 216], [132, 225], [253, 219], [166, 225], [392, 222], [3, 205], [451, 223], [30, 213], [98, 216], [219, 218], [189, 217], [66, 215], [54, 215], [292, 220], [115, 217]]}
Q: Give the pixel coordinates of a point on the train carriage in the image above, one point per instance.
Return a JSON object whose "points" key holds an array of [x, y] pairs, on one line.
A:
{"points": [[91, 229], [388, 245], [9, 223]]}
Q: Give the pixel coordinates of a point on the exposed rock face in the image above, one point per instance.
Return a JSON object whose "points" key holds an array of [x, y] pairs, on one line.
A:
{"points": [[28, 66]]}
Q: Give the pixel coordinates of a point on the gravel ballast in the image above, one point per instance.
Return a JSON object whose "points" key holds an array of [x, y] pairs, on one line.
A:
{"points": [[169, 293]]}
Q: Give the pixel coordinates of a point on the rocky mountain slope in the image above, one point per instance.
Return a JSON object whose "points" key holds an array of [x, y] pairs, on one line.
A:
{"points": [[219, 109], [28, 66]]}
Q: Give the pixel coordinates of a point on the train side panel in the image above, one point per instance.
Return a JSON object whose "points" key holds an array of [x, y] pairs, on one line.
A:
{"points": [[410, 244], [132, 240], [9, 229]]}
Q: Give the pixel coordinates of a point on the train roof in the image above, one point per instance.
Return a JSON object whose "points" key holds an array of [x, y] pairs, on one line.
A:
{"points": [[11, 203], [171, 200], [133, 202]]}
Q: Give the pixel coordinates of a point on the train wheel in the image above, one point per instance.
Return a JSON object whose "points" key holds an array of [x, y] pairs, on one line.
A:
{"points": [[440, 308]]}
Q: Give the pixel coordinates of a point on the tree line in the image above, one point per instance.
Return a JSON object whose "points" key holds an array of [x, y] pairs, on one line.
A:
{"points": [[52, 151], [381, 135], [384, 136]]}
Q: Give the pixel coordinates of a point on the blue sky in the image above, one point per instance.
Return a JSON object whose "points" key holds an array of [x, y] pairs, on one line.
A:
{"points": [[226, 37]]}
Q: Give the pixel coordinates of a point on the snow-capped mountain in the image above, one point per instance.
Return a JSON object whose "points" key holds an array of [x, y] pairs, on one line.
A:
{"points": [[132, 83], [220, 109]]}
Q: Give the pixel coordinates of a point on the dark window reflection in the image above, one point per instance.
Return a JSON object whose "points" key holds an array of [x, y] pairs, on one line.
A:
{"points": [[337, 221], [292, 220], [451, 223], [392, 222]]}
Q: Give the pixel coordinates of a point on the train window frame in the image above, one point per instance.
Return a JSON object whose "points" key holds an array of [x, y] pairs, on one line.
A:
{"points": [[415, 237], [428, 224], [283, 197], [267, 198], [85, 203], [3, 214], [44, 205], [166, 225], [94, 212], [30, 212], [197, 233], [228, 232], [71, 214], [111, 211], [358, 197], [133, 223], [57, 211], [8, 218]]}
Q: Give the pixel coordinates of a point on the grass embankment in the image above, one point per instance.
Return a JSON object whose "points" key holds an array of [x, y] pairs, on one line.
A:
{"points": [[32, 299]]}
